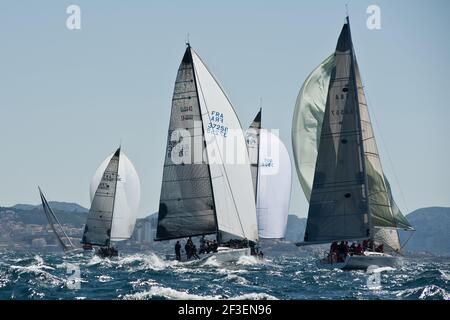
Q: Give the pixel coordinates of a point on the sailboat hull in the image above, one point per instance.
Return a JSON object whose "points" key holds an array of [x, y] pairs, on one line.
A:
{"points": [[372, 259], [363, 262], [223, 255]]}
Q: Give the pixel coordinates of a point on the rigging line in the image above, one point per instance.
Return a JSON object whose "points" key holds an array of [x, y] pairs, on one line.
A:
{"points": [[407, 240], [219, 151], [383, 142]]}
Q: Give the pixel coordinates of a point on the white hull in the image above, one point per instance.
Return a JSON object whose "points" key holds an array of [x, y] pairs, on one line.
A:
{"points": [[223, 254], [363, 262]]}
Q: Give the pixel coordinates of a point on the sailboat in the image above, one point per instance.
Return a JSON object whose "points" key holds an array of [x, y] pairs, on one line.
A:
{"points": [[61, 236], [115, 196], [271, 176], [339, 167], [207, 185]]}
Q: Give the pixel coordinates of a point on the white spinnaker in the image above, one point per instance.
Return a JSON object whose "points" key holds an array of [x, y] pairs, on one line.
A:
{"points": [[234, 197], [128, 194], [274, 186], [307, 122]]}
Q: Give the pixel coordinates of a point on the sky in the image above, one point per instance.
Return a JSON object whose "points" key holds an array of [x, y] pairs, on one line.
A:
{"points": [[69, 97]]}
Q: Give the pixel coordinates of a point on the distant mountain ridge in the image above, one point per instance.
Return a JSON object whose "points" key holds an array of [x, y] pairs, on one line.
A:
{"points": [[55, 205]]}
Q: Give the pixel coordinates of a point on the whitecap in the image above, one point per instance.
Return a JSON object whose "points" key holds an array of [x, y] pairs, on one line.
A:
{"points": [[104, 278], [249, 260], [169, 293]]}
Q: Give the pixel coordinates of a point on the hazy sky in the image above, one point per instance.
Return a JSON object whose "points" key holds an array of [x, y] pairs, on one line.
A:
{"points": [[68, 97]]}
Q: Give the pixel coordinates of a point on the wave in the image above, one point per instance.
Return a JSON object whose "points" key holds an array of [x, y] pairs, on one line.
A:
{"points": [[156, 292], [249, 260], [430, 292]]}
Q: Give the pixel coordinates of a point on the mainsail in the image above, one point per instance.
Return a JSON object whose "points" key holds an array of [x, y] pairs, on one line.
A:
{"points": [[114, 203], [55, 224], [335, 123], [212, 193]]}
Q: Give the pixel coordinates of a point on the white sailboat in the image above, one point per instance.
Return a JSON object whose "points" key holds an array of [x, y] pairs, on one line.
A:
{"points": [[338, 164], [271, 175], [203, 192], [62, 237], [115, 196]]}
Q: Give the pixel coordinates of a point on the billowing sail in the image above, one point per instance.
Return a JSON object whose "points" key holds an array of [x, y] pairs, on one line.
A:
{"points": [[338, 204], [274, 186], [252, 140], [211, 193], [307, 126], [128, 193], [307, 122], [55, 225], [228, 158]]}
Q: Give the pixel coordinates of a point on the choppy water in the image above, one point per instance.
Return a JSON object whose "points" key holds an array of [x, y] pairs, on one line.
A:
{"points": [[149, 276]]}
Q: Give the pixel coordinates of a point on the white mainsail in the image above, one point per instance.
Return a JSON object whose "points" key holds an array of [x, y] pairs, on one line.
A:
{"points": [[115, 196], [274, 186]]}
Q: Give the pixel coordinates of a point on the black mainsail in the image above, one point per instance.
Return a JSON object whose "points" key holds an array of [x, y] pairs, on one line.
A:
{"points": [[186, 205], [56, 226]]}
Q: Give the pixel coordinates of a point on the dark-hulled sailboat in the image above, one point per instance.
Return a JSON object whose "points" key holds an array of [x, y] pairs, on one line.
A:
{"points": [[202, 192], [338, 163]]}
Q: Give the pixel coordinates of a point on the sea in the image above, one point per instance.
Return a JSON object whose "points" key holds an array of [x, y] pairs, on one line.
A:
{"points": [[149, 275]]}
